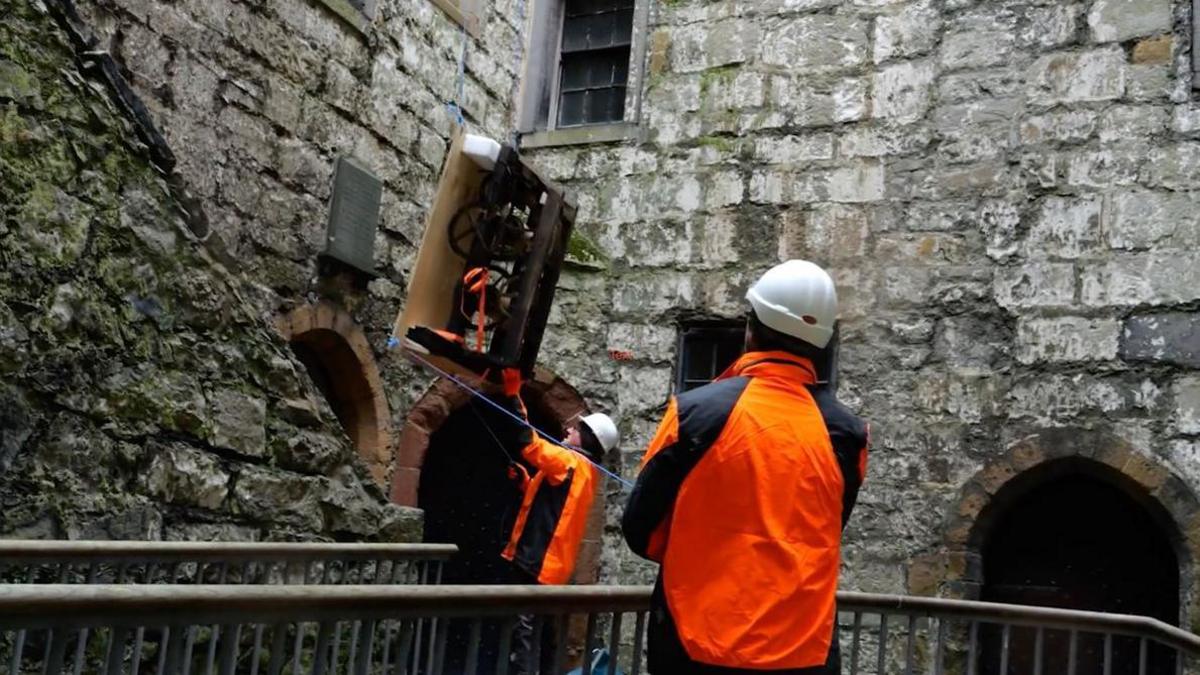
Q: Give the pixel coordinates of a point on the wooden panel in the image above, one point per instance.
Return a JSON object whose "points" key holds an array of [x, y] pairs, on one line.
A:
{"points": [[464, 12], [438, 269]]}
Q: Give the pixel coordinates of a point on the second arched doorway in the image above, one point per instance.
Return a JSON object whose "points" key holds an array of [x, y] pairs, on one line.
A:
{"points": [[1077, 534], [450, 464]]}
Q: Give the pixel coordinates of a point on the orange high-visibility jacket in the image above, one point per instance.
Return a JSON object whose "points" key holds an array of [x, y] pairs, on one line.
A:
{"points": [[742, 497], [549, 528]]}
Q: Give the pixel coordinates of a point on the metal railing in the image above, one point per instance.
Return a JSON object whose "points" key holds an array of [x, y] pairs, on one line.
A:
{"points": [[272, 630], [194, 562]]}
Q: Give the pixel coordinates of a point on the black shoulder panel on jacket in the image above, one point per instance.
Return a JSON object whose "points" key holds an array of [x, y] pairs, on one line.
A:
{"points": [[702, 415], [704, 411], [848, 434]]}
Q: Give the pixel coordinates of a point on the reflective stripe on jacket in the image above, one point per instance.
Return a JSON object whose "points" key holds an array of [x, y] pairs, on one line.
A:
{"points": [[742, 497], [549, 528]]}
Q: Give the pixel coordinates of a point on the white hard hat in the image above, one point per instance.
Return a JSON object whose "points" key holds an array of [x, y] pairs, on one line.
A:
{"points": [[604, 429], [796, 298]]}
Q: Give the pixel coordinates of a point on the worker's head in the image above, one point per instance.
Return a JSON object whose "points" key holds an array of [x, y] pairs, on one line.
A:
{"points": [[595, 434], [793, 309]]}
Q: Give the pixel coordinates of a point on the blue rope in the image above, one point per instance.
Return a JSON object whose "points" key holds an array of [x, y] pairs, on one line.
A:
{"points": [[393, 342], [454, 106]]}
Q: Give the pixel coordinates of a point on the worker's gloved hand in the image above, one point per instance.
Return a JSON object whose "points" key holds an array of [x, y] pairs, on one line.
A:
{"points": [[515, 435], [518, 475]]}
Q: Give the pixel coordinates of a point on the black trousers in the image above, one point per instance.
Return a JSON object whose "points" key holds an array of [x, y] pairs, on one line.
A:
{"points": [[527, 650], [666, 655]]}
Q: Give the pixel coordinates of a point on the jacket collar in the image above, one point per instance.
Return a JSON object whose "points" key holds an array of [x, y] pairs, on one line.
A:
{"points": [[774, 365]]}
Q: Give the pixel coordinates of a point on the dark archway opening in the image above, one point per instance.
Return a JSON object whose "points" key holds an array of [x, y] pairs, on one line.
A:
{"points": [[336, 372], [469, 501], [1078, 541]]}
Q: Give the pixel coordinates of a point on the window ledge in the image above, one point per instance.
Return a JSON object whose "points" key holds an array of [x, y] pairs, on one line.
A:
{"points": [[350, 14], [595, 133]]}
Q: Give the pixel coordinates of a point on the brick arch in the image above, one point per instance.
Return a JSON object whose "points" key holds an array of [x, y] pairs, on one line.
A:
{"points": [[324, 332], [956, 570], [545, 390]]}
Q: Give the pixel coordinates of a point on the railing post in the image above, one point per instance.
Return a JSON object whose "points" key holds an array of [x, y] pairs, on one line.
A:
{"points": [[1038, 648], [939, 659], [1005, 637], [638, 631], [910, 652], [973, 648], [880, 667], [854, 643], [1072, 653], [588, 644]]}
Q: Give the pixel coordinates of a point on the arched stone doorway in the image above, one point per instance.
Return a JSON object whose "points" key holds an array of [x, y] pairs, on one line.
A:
{"points": [[1033, 525], [448, 463], [334, 350], [445, 418], [1072, 536]]}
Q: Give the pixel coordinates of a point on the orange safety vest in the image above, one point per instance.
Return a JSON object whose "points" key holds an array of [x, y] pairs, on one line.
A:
{"points": [[742, 497], [549, 528]]}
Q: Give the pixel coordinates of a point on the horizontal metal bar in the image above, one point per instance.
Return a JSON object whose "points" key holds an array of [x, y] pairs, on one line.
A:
{"points": [[54, 551], [25, 606], [29, 606], [1021, 615]]}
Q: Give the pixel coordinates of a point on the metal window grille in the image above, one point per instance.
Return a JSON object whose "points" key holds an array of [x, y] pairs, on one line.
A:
{"points": [[594, 61], [705, 351]]}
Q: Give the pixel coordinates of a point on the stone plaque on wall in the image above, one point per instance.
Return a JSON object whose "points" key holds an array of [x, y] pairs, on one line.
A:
{"points": [[353, 215]]}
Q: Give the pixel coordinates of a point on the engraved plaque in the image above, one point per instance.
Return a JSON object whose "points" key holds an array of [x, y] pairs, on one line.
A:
{"points": [[353, 215]]}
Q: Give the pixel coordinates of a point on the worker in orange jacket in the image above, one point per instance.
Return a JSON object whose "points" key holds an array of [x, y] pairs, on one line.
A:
{"points": [[743, 494], [545, 539]]}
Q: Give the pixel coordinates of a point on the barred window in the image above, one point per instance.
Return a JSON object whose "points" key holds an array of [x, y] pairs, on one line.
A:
{"points": [[705, 351], [597, 36]]}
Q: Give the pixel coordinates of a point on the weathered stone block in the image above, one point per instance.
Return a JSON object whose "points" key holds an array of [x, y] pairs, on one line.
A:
{"points": [[401, 523], [1142, 279], [238, 422], [883, 141], [1035, 285], [1070, 77], [910, 31], [1176, 167], [1119, 20], [1153, 51], [643, 389], [1052, 400], [1172, 338], [861, 183], [930, 248], [1065, 228], [697, 47], [1105, 168], [1186, 392], [1067, 339], [276, 496], [902, 91], [816, 42], [836, 231], [1144, 219], [1121, 124], [1049, 26], [976, 49], [181, 475], [1069, 126], [794, 149]]}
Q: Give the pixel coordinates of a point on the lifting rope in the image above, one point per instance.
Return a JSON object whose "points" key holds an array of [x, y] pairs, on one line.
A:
{"points": [[420, 360]]}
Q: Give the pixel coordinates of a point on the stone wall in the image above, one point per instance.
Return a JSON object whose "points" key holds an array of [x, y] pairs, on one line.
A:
{"points": [[259, 98], [141, 394], [1005, 191]]}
